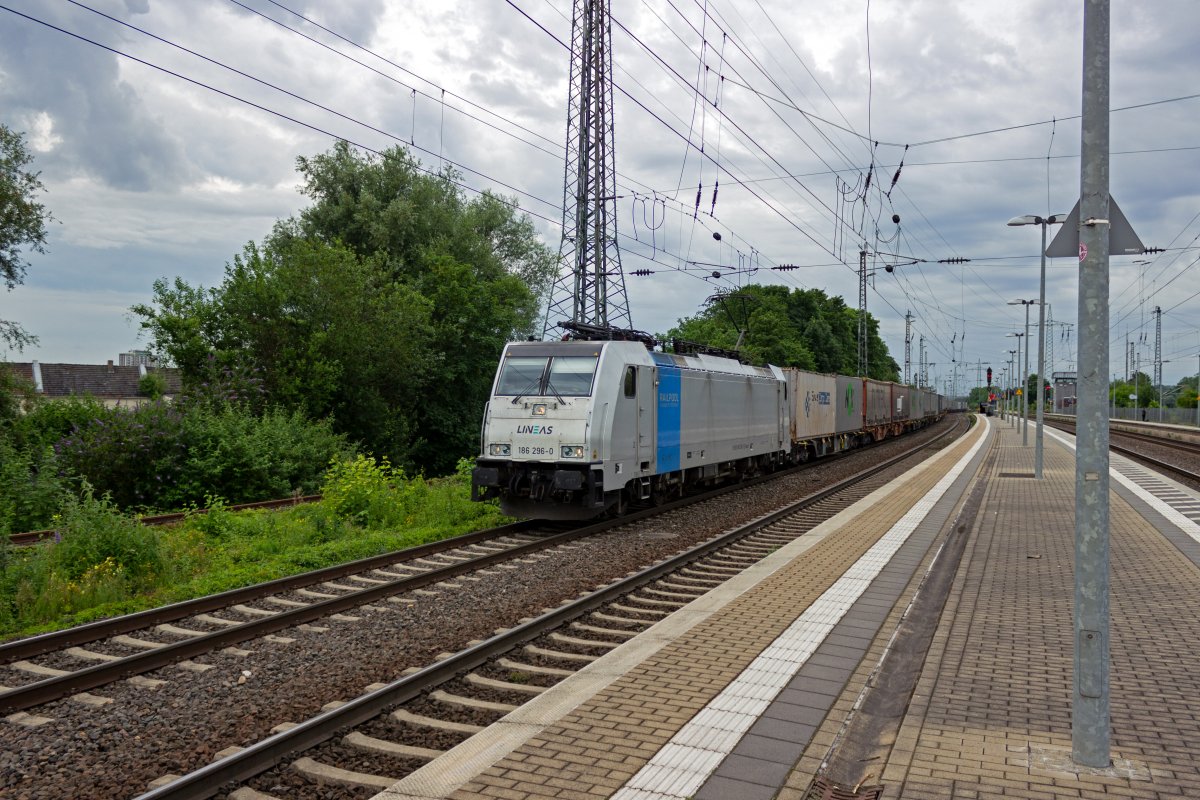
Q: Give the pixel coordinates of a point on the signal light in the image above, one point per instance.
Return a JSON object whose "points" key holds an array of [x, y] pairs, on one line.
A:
{"points": [[989, 376]]}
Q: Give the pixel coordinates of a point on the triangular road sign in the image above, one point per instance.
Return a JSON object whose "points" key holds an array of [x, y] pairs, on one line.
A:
{"points": [[1122, 241]]}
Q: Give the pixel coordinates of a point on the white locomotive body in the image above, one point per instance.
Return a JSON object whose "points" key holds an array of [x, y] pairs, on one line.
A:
{"points": [[576, 428]]}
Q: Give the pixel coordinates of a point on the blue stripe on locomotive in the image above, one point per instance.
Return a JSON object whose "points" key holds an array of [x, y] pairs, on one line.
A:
{"points": [[670, 386]]}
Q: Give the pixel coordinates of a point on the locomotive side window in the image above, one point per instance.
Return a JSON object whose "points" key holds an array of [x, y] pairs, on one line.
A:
{"points": [[630, 382], [571, 376], [521, 375]]}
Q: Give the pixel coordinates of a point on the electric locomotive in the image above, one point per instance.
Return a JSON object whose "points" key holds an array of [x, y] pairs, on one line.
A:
{"points": [[576, 428]]}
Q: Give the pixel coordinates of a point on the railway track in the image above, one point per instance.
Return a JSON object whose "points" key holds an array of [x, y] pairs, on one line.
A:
{"points": [[369, 742], [180, 632], [1186, 473], [290, 601], [33, 537]]}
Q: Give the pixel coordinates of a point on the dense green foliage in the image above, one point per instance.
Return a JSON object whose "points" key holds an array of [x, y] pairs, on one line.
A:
{"points": [[22, 223], [802, 328], [157, 456], [105, 563], [383, 306], [1120, 392]]}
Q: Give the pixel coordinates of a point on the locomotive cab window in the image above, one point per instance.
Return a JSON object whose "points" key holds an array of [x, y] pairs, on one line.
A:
{"points": [[571, 376], [521, 375], [561, 376], [631, 381]]}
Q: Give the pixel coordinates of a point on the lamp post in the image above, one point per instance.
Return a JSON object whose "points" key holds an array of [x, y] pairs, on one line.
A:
{"points": [[1025, 372], [1002, 404], [1033, 219], [1012, 381], [1023, 386]]}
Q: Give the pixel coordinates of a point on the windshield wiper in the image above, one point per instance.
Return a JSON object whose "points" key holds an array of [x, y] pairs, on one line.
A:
{"points": [[533, 384], [550, 387]]}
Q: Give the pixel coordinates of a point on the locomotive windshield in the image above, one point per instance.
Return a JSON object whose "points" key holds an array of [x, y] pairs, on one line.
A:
{"points": [[564, 376]]}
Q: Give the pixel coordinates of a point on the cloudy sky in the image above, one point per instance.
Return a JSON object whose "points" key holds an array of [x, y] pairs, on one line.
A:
{"points": [[167, 165]]}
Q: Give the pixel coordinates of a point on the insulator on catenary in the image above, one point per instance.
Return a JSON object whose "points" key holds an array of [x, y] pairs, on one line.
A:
{"points": [[896, 177]]}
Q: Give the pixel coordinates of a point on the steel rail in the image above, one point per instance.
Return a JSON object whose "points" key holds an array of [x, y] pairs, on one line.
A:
{"points": [[33, 537], [102, 629], [1166, 466], [50, 689], [82, 634], [257, 758]]}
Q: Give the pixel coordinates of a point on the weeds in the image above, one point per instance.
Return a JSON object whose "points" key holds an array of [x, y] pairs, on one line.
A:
{"points": [[106, 563]]}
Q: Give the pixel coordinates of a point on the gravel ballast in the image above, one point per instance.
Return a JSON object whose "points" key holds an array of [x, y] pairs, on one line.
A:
{"points": [[115, 750]]}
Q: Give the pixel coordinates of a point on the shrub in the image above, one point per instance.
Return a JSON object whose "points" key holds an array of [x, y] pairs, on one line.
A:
{"points": [[48, 421], [371, 494], [91, 531], [242, 457], [171, 455], [31, 490], [128, 455], [152, 385]]}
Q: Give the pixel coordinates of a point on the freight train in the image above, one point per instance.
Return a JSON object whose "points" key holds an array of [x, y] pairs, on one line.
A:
{"points": [[576, 429]]}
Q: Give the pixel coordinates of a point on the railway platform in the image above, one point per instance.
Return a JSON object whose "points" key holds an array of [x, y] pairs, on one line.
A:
{"points": [[917, 645]]}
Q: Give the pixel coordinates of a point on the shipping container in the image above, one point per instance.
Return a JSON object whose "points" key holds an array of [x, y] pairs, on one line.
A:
{"points": [[851, 403], [814, 413], [878, 404]]}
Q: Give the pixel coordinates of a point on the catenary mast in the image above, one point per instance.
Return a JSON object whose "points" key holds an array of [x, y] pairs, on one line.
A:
{"points": [[590, 287]]}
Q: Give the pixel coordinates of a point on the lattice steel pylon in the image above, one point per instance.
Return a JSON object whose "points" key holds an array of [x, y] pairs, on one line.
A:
{"points": [[908, 318], [1158, 357], [590, 287], [863, 328]]}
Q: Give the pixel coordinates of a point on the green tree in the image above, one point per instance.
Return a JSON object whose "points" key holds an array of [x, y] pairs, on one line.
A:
{"points": [[802, 328], [22, 222], [1187, 397], [1139, 386], [383, 306]]}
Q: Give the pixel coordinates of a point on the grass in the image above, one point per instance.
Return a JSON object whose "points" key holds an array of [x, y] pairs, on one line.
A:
{"points": [[103, 563]]}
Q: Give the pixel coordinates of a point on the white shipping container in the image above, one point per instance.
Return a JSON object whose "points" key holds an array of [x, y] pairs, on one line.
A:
{"points": [[812, 399]]}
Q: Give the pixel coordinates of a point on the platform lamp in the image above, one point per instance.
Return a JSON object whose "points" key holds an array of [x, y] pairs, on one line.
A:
{"points": [[1025, 372], [1033, 219], [1002, 403], [1024, 383]]}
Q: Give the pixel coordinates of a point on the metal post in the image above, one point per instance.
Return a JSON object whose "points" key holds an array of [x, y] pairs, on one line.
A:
{"points": [[1041, 413], [1090, 706], [1013, 362], [1158, 362], [1025, 386], [863, 328]]}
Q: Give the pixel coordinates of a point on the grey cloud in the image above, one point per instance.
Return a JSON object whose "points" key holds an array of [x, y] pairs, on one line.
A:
{"points": [[357, 20], [105, 128]]}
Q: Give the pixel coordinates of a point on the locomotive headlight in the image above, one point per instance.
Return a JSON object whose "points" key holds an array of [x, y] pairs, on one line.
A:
{"points": [[539, 409], [572, 451], [500, 449]]}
